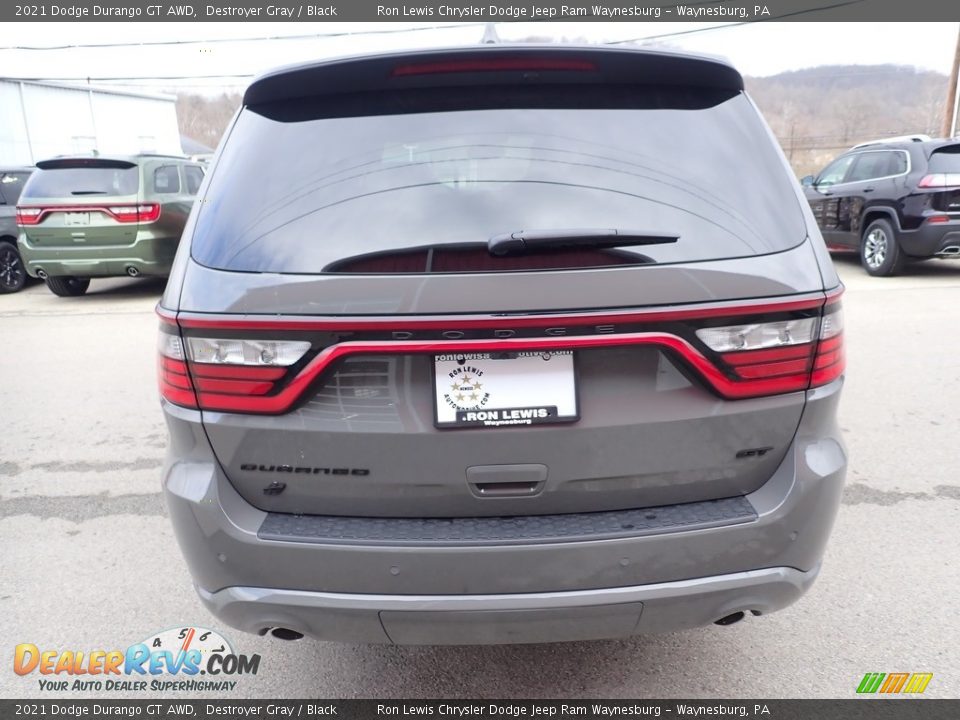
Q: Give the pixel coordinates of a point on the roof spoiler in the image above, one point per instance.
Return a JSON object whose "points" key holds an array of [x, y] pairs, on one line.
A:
{"points": [[85, 162], [492, 65]]}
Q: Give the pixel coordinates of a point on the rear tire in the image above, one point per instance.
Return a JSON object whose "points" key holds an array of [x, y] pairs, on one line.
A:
{"points": [[12, 275], [880, 253], [68, 286]]}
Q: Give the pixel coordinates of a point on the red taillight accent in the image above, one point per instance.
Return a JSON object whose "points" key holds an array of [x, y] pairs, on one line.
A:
{"points": [[204, 385], [175, 383], [936, 219], [215, 387], [232, 387], [732, 375], [29, 215], [790, 367], [142, 213], [495, 65], [148, 212], [124, 213], [785, 369], [830, 361], [751, 357], [238, 372]]}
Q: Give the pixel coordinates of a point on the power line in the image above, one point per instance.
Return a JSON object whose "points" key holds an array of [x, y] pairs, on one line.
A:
{"points": [[247, 76], [126, 77], [210, 41]]}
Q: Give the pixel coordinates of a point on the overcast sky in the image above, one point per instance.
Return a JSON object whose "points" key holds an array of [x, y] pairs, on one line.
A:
{"points": [[756, 49]]}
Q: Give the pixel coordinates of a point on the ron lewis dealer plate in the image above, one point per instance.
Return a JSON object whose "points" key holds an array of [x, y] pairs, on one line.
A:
{"points": [[505, 389]]}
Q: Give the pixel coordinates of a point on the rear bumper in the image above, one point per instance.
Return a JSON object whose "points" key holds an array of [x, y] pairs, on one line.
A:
{"points": [[149, 255], [445, 592], [519, 618], [931, 240]]}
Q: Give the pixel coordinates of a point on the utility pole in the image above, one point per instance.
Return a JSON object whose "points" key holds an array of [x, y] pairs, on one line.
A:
{"points": [[490, 36], [949, 128]]}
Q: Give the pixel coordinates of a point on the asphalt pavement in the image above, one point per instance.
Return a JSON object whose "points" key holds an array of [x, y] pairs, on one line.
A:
{"points": [[88, 559]]}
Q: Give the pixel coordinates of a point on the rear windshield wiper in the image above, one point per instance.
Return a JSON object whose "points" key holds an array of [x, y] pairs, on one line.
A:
{"points": [[523, 241], [89, 192]]}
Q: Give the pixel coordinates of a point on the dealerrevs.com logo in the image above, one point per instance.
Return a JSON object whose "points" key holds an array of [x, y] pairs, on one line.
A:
{"points": [[171, 660]]}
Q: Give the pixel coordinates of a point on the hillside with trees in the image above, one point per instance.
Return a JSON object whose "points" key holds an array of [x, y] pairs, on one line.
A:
{"points": [[818, 112]]}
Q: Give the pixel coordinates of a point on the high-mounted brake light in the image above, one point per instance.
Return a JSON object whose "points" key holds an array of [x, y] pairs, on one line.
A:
{"points": [[143, 213], [495, 65]]}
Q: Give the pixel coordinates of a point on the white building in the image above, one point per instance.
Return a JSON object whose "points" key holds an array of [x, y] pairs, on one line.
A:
{"points": [[40, 120]]}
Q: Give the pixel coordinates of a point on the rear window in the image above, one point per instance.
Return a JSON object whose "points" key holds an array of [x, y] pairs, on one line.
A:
{"points": [[69, 182], [194, 178], [945, 159], [166, 179], [419, 182]]}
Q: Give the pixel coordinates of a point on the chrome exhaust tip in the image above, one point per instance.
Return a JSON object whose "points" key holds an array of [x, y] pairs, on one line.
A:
{"points": [[731, 619], [42, 274], [287, 634], [949, 251], [132, 271]]}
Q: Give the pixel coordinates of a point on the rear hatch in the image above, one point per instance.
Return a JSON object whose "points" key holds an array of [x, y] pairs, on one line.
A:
{"points": [[82, 202], [941, 184], [497, 283]]}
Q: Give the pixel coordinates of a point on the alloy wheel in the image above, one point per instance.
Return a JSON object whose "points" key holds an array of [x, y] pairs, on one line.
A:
{"points": [[875, 248], [12, 274]]}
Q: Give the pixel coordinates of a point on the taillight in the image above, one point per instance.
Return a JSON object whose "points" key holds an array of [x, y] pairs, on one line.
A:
{"points": [[143, 213], [940, 180], [172, 373], [226, 374], [829, 362], [783, 356], [28, 215], [739, 351]]}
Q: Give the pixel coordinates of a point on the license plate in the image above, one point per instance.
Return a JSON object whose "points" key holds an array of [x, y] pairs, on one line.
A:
{"points": [[505, 389], [76, 218]]}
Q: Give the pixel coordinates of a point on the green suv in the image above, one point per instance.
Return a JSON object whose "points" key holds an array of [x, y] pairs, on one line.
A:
{"points": [[84, 217]]}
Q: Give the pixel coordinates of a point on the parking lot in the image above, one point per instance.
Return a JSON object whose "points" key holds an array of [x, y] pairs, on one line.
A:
{"points": [[88, 560]]}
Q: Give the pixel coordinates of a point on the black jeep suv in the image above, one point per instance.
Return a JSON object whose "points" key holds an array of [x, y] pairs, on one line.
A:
{"points": [[12, 274], [891, 201]]}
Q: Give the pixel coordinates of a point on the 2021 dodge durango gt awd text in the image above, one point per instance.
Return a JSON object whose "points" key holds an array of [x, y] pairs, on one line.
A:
{"points": [[500, 345]]}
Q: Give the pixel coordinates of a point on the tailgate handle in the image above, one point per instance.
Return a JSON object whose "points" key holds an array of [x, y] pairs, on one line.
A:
{"points": [[492, 481], [511, 489]]}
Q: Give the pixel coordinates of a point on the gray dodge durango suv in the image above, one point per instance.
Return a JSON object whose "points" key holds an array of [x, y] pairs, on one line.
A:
{"points": [[500, 345]]}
